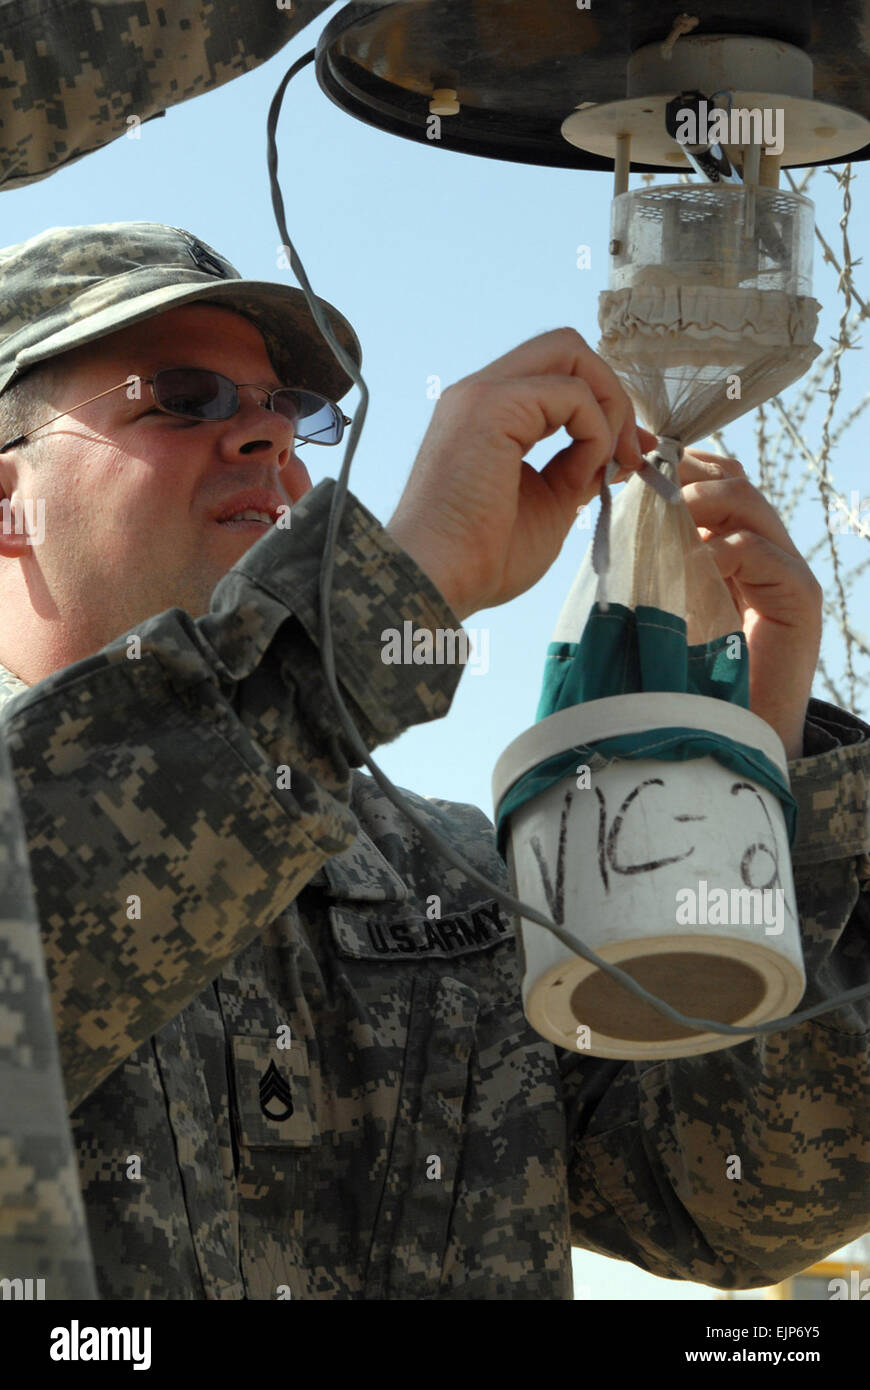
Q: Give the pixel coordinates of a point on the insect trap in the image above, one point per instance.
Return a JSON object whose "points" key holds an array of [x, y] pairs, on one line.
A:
{"points": [[647, 810], [672, 845]]}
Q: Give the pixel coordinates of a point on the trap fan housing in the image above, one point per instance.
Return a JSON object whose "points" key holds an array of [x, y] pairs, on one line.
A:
{"points": [[519, 71]]}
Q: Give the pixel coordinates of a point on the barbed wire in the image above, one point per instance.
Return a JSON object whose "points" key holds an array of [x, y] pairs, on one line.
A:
{"points": [[788, 463], [786, 445]]}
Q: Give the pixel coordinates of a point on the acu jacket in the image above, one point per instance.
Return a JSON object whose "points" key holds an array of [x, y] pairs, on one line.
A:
{"points": [[287, 1077]]}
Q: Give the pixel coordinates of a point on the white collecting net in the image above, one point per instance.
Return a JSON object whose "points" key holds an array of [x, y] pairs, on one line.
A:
{"points": [[649, 553], [692, 358]]}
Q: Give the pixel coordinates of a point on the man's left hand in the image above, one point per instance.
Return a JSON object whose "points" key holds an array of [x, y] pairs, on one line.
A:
{"points": [[774, 590]]}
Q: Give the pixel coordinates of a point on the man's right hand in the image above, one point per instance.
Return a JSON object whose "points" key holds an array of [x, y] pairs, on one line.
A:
{"points": [[480, 521]]}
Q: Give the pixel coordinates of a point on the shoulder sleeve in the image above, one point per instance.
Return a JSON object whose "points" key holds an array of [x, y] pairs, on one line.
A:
{"points": [[178, 790], [830, 785]]}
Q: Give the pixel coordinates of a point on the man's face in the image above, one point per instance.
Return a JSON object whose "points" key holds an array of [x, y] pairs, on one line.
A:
{"points": [[131, 493]]}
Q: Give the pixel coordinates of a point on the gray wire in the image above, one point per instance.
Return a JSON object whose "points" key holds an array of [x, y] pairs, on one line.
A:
{"points": [[428, 835]]}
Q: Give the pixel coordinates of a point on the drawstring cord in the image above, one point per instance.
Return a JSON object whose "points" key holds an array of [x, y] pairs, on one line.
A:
{"points": [[668, 451]]}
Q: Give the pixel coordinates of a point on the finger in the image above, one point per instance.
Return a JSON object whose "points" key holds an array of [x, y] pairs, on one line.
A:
{"points": [[727, 505], [696, 465], [564, 352], [628, 446], [775, 584], [531, 409], [574, 474]]}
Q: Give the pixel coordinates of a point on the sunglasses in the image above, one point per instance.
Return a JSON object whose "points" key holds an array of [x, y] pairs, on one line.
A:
{"points": [[194, 393]]}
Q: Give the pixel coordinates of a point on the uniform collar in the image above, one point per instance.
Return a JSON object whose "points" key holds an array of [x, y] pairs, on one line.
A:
{"points": [[10, 686], [362, 872]]}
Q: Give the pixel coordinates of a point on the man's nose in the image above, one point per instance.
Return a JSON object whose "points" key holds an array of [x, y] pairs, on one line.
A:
{"points": [[255, 427]]}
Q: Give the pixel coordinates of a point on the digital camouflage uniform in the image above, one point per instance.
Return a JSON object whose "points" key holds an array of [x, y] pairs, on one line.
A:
{"points": [[77, 74], [417, 1139]]}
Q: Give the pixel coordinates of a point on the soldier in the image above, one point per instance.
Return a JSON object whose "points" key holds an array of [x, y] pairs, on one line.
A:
{"points": [[292, 1040]]}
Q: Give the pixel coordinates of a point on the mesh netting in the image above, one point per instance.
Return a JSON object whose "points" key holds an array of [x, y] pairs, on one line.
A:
{"points": [[708, 313]]}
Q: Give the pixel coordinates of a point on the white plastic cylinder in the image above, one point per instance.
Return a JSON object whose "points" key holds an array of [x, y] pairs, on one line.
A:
{"points": [[698, 232], [642, 862]]}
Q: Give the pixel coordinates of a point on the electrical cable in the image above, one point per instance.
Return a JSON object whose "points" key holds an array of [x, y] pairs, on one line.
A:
{"points": [[429, 837]]}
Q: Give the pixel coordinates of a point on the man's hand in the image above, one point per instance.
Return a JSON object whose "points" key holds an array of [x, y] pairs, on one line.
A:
{"points": [[480, 521], [774, 590], [485, 526]]}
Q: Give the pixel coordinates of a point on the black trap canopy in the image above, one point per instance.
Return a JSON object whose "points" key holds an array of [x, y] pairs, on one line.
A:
{"points": [[548, 82]]}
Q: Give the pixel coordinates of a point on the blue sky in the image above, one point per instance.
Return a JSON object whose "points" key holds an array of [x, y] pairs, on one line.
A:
{"points": [[442, 262]]}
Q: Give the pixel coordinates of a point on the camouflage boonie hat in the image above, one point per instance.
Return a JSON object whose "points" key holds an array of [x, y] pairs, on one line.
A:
{"points": [[71, 285]]}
